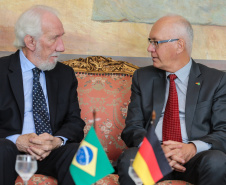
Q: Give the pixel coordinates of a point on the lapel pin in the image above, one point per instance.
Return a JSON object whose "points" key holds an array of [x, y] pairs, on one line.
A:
{"points": [[197, 83]]}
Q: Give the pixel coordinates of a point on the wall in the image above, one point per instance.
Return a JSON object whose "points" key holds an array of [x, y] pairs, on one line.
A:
{"points": [[86, 37]]}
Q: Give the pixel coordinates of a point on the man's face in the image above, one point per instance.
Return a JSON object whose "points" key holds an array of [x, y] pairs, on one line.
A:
{"points": [[163, 54], [50, 44]]}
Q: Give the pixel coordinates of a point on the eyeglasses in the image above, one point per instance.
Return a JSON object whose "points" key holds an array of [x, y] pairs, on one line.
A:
{"points": [[155, 43]]}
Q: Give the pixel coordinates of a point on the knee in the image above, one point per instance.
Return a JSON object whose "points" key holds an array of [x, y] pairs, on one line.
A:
{"points": [[123, 166], [72, 147], [69, 150], [124, 160], [7, 145], [214, 161], [8, 151]]}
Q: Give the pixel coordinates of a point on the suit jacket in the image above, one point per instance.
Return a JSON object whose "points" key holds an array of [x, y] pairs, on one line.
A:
{"points": [[61, 86], [205, 111]]}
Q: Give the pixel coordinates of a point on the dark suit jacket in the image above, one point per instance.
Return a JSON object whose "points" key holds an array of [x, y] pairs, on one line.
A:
{"points": [[62, 96], [205, 111]]}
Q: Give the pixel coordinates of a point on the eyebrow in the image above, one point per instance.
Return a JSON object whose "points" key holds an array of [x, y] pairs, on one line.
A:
{"points": [[152, 38], [59, 35]]}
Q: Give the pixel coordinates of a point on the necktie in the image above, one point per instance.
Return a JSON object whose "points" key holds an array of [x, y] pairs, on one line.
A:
{"points": [[171, 123], [40, 112]]}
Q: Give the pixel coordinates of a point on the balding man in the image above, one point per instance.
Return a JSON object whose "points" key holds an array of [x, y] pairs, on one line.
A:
{"points": [[190, 104]]}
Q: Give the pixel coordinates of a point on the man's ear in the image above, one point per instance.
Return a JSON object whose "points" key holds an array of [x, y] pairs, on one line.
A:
{"points": [[30, 42], [180, 46]]}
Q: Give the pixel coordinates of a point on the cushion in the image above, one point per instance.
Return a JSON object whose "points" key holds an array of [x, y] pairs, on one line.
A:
{"points": [[111, 179], [37, 179], [173, 182]]}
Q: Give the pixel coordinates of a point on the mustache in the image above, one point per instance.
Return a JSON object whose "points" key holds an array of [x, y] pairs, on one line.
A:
{"points": [[55, 54]]}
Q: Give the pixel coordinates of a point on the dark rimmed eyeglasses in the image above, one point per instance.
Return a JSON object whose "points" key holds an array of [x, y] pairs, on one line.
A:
{"points": [[155, 43]]}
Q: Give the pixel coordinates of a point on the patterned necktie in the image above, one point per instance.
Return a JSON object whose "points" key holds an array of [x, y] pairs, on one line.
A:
{"points": [[40, 112], [171, 121]]}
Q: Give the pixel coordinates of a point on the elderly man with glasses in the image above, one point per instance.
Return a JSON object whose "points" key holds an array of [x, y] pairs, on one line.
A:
{"points": [[190, 104]]}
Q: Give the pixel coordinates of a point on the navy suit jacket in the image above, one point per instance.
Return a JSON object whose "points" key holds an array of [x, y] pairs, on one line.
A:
{"points": [[62, 96], [205, 111]]}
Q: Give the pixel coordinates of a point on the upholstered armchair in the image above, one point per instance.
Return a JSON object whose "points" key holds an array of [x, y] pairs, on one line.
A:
{"points": [[104, 85]]}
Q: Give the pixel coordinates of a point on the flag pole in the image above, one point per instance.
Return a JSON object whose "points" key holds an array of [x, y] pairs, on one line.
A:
{"points": [[94, 124], [151, 121], [153, 117], [94, 119]]}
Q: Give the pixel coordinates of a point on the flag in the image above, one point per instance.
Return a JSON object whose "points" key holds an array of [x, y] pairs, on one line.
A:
{"points": [[90, 162], [150, 163]]}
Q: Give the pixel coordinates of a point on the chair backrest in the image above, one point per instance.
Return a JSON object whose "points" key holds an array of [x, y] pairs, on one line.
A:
{"points": [[104, 85]]}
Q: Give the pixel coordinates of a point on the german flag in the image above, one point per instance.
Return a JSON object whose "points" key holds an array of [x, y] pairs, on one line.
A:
{"points": [[150, 163]]}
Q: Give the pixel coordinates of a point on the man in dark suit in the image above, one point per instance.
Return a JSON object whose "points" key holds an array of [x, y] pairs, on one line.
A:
{"points": [[39, 39], [198, 156]]}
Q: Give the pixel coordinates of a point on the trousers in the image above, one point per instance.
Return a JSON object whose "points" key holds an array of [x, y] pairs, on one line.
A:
{"points": [[205, 168], [55, 165]]}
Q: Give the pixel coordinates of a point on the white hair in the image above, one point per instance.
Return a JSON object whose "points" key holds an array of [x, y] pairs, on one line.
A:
{"points": [[30, 23], [184, 30]]}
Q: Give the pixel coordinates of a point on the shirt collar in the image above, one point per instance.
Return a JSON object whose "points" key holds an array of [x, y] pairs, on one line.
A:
{"points": [[182, 73], [26, 65]]}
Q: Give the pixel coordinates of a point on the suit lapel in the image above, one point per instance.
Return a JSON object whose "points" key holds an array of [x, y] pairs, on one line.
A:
{"points": [[192, 96], [52, 89], [16, 82], [159, 89]]}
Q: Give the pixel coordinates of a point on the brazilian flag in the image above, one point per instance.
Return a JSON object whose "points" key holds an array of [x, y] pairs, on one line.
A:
{"points": [[90, 163]]}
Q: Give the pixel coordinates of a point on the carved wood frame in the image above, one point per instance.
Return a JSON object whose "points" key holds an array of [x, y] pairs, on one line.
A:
{"points": [[100, 64]]}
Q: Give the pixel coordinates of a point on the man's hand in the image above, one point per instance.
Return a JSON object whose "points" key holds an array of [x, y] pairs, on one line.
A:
{"points": [[179, 156], [168, 148], [175, 164], [42, 145], [23, 142], [186, 152], [38, 146]]}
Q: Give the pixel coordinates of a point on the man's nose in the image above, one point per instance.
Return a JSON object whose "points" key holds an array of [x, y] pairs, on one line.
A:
{"points": [[150, 48], [60, 45]]}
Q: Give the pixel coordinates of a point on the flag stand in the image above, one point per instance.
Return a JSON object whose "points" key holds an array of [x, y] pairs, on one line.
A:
{"points": [[94, 126]]}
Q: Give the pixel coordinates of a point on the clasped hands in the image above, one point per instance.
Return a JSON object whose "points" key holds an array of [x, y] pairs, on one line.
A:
{"points": [[178, 154], [39, 146]]}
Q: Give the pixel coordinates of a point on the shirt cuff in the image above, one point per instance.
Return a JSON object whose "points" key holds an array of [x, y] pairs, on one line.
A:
{"points": [[13, 138], [201, 146], [63, 138]]}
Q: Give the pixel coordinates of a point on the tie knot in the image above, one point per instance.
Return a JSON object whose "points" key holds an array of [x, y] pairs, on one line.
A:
{"points": [[172, 77], [36, 73]]}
